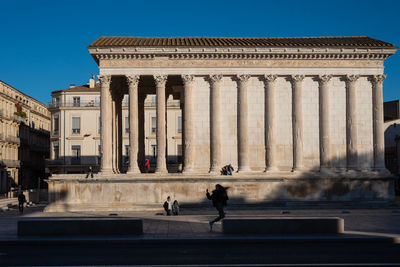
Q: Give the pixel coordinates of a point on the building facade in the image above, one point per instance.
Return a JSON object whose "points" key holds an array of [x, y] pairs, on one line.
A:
{"points": [[300, 119], [76, 130], [24, 139]]}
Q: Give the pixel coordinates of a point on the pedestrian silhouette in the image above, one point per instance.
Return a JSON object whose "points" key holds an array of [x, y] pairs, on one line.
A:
{"points": [[219, 199]]}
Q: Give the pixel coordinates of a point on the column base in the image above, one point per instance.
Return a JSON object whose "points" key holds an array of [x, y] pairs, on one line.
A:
{"points": [[297, 169], [188, 171], [161, 171], [271, 169], [382, 170], [106, 171], [133, 171], [243, 169]]}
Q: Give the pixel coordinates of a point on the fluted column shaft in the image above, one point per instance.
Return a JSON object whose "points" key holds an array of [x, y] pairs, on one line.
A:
{"points": [[243, 131], [351, 122], [142, 148], [215, 119], [188, 122], [106, 120], [297, 121], [270, 126], [324, 138], [379, 137], [161, 127], [133, 82]]}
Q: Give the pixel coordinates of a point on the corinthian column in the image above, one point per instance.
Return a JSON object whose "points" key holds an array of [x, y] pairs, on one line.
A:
{"points": [[297, 121], [351, 122], [270, 127], [161, 80], [379, 138], [106, 121], [324, 144], [188, 124], [243, 131], [215, 118], [133, 82]]}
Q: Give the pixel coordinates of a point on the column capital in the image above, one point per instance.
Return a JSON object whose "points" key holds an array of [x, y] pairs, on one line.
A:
{"points": [[214, 78], [104, 79], [161, 80], [324, 78], [351, 78], [187, 79], [377, 78], [297, 78], [132, 80], [243, 77], [269, 77]]}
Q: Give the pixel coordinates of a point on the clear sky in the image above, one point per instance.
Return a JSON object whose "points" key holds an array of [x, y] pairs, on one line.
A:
{"points": [[43, 44]]}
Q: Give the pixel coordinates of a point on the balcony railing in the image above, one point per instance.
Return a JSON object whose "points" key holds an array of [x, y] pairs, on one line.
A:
{"points": [[10, 163], [13, 139], [87, 104]]}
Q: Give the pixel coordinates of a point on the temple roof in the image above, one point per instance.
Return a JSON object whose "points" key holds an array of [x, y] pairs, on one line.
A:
{"points": [[337, 42]]}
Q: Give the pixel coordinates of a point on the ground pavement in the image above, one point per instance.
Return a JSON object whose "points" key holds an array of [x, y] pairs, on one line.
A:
{"points": [[372, 237]]}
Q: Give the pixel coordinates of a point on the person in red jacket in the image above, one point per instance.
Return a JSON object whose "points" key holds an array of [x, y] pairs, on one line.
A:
{"points": [[147, 165]]}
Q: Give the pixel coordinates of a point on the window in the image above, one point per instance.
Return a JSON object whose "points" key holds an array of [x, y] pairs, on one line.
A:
{"points": [[127, 150], [99, 129], [179, 124], [76, 100], [76, 154], [179, 149], [56, 151], [154, 150], [126, 124], [99, 150], [153, 124], [56, 101], [56, 124], [153, 101], [76, 125]]}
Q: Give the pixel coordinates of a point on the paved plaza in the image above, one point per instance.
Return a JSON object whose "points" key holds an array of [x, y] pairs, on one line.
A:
{"points": [[194, 223], [371, 236]]}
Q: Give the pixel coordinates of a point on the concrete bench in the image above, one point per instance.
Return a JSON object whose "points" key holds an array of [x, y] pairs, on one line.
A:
{"points": [[79, 226], [284, 225]]}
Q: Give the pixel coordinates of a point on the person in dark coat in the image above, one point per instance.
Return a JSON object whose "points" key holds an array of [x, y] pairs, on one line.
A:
{"points": [[219, 198], [90, 172], [21, 201]]}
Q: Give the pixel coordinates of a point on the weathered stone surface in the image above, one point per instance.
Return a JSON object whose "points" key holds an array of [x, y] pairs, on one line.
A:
{"points": [[286, 225], [124, 192], [79, 226]]}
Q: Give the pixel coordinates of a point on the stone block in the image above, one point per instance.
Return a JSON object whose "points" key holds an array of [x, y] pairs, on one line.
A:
{"points": [[286, 225], [79, 226]]}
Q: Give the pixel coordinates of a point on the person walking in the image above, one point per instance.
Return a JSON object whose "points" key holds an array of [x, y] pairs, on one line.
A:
{"points": [[175, 208], [90, 172], [21, 201], [219, 199], [147, 165], [168, 206]]}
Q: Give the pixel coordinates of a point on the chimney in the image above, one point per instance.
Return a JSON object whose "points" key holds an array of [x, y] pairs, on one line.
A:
{"points": [[72, 85], [91, 82]]}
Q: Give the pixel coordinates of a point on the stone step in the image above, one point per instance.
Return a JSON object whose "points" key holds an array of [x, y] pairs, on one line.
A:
{"points": [[284, 225], [79, 226]]}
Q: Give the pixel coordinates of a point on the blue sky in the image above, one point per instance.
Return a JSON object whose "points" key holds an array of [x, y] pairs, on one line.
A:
{"points": [[43, 43]]}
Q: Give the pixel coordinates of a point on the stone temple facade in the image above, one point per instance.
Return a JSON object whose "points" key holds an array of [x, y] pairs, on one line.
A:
{"points": [[300, 119]]}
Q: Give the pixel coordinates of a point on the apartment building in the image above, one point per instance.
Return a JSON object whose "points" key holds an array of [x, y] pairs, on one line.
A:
{"points": [[76, 127], [24, 139]]}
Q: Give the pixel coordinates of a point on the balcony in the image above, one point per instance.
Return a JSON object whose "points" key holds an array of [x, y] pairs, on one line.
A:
{"points": [[13, 139], [11, 163], [81, 104]]}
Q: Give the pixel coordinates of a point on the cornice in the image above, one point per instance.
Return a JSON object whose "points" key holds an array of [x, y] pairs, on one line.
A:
{"points": [[239, 53]]}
